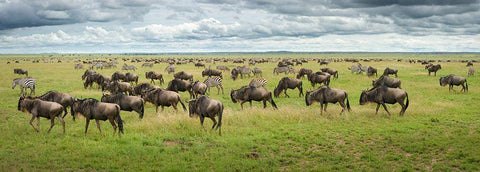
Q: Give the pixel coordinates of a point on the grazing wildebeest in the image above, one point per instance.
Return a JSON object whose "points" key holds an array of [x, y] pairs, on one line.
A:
{"points": [[162, 97], [303, 72], [206, 107], [469, 63], [131, 77], [234, 73], [199, 88], [434, 69], [315, 78], [183, 75], [325, 95], [288, 83], [332, 72], [387, 81], [249, 94], [242, 70], [371, 71], [177, 85], [93, 109], [323, 62], [20, 72], [257, 72], [471, 71], [452, 80], [382, 95], [390, 71], [211, 72], [222, 67], [285, 69], [115, 87], [126, 103], [24, 83], [39, 108], [141, 88], [199, 64], [119, 76], [63, 99], [170, 69], [87, 73], [154, 76]]}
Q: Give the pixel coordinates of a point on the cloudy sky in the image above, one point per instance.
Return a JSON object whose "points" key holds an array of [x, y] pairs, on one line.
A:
{"points": [[158, 26]]}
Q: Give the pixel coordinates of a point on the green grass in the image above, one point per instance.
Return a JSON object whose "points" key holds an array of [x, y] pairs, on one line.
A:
{"points": [[439, 132]]}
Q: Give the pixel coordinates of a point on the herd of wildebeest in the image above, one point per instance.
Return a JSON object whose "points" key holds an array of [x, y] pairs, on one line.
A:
{"points": [[125, 93]]}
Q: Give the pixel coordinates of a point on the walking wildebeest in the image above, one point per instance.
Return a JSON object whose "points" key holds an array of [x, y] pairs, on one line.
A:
{"points": [[131, 77], [162, 97], [325, 95], [249, 94], [93, 109], [199, 88], [154, 76], [452, 80], [469, 63], [315, 78], [207, 107], [20, 72], [63, 99], [177, 85], [39, 108], [371, 70], [382, 95], [471, 71], [183, 76], [303, 72], [288, 83], [434, 69], [211, 72], [170, 69], [126, 103], [390, 71], [332, 72], [387, 81]]}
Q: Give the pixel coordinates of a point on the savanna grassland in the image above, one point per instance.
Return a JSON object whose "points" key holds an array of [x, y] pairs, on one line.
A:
{"points": [[440, 129]]}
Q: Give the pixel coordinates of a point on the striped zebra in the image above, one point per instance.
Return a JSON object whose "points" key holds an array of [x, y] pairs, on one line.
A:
{"points": [[215, 81], [24, 83], [258, 82]]}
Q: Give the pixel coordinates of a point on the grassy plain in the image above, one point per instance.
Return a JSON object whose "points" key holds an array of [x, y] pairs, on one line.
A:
{"points": [[440, 130]]}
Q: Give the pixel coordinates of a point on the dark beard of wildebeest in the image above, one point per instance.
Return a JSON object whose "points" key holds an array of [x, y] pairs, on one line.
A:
{"points": [[126, 103], [20, 72], [387, 81], [93, 109], [140, 89], [288, 83], [199, 88], [382, 95], [205, 107], [234, 73], [154, 76], [115, 87], [39, 108], [434, 69], [452, 80], [63, 99], [304, 72], [390, 71], [249, 94], [162, 97], [211, 72], [316, 78], [332, 72], [326, 95], [94, 78], [183, 76], [371, 71], [131, 77], [180, 85]]}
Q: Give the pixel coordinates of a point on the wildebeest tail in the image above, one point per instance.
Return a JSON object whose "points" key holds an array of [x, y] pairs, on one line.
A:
{"points": [[183, 105], [466, 85], [348, 102], [406, 105], [219, 125], [143, 108], [119, 120]]}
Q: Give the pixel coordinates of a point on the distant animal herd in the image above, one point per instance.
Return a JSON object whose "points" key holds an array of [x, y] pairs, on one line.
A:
{"points": [[125, 93]]}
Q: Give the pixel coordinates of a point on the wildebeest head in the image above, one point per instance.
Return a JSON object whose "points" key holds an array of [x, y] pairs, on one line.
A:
{"points": [[308, 98], [363, 97], [192, 107], [277, 91], [233, 94], [443, 81]]}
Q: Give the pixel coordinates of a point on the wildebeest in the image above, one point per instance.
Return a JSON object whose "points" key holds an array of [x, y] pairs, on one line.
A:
{"points": [[205, 107], [170, 69], [115, 87], [471, 71], [131, 77], [119, 76], [199, 64], [288, 83], [434, 69], [183, 75], [162, 97], [222, 67], [63, 99], [285, 69], [242, 70], [469, 63], [387, 81], [141, 88], [249, 94], [199, 88], [315, 78], [154, 76], [257, 72], [452, 80], [20, 71], [325, 95], [303, 72], [126, 103], [332, 72], [211, 72], [39, 108], [234, 73], [382, 95], [93, 109], [180, 85], [371, 70], [87, 73], [390, 71]]}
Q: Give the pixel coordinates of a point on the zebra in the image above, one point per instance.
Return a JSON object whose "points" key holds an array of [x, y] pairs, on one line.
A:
{"points": [[215, 81], [258, 82], [24, 84]]}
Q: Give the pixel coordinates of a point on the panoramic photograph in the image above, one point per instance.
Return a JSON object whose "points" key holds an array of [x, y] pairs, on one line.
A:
{"points": [[239, 85]]}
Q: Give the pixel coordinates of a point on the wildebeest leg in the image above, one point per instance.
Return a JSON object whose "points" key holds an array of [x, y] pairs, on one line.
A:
{"points": [[376, 110], [214, 122], [98, 126], [326, 104], [321, 108], [201, 122], [60, 118], [344, 107], [463, 88], [31, 123], [385, 107], [66, 112], [450, 87], [156, 109], [286, 93], [38, 123], [86, 126], [113, 125], [264, 104], [52, 124], [250, 103]]}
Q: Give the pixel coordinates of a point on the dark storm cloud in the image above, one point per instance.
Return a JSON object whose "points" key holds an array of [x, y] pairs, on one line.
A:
{"points": [[26, 13]]}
